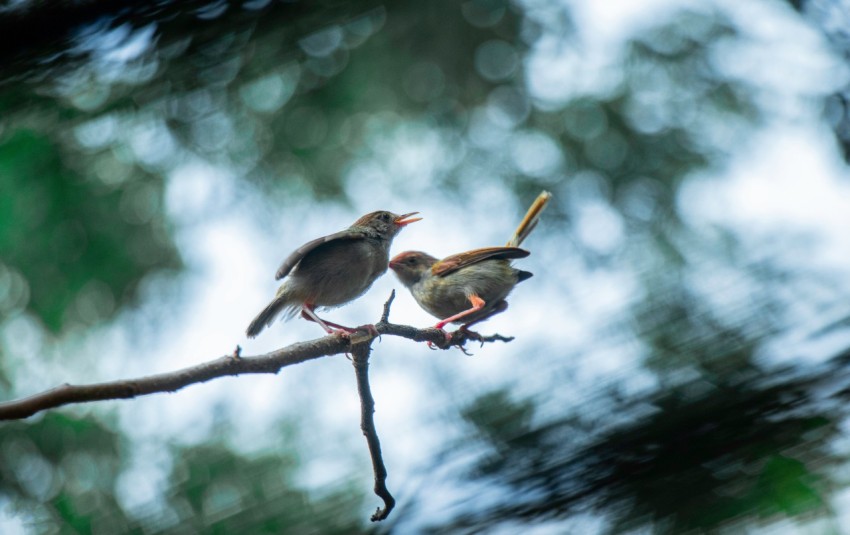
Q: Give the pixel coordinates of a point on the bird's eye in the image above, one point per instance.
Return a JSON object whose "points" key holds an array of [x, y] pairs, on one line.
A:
{"points": [[385, 216]]}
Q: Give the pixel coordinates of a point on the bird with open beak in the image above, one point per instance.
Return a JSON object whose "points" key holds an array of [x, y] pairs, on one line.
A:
{"points": [[333, 270]]}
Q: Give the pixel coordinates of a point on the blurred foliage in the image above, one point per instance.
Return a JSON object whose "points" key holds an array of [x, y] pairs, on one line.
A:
{"points": [[642, 137], [830, 18], [218, 491], [61, 475], [698, 456], [81, 246], [104, 102], [61, 471]]}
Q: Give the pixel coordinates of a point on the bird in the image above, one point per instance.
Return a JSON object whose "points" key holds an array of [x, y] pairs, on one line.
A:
{"points": [[472, 286], [333, 270]]}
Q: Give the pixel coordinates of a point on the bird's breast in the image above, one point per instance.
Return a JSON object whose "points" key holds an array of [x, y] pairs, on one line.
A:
{"points": [[491, 280]]}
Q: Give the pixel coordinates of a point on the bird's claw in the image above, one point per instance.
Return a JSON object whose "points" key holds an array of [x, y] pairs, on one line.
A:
{"points": [[364, 333], [371, 329], [472, 335], [342, 333], [448, 337]]}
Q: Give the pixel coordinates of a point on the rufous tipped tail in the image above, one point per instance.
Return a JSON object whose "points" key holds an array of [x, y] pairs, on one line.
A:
{"points": [[530, 220]]}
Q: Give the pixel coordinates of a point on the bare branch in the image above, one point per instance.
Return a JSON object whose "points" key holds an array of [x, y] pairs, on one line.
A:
{"points": [[229, 365], [385, 317], [173, 381], [360, 359], [359, 344], [472, 335]]}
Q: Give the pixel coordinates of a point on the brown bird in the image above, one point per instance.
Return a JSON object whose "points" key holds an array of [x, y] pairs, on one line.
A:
{"points": [[333, 270], [468, 287]]}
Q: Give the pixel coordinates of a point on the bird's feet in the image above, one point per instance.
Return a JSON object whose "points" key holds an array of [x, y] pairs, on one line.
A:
{"points": [[339, 330], [448, 338], [471, 335], [364, 333], [466, 334], [369, 328], [342, 333]]}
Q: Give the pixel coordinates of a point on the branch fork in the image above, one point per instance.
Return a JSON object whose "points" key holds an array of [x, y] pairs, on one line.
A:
{"points": [[358, 344]]}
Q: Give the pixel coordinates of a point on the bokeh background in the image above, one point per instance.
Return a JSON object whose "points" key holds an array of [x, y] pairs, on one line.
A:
{"points": [[682, 354]]}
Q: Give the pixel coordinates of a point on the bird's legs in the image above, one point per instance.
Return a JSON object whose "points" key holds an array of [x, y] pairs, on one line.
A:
{"points": [[477, 304], [500, 307], [307, 312]]}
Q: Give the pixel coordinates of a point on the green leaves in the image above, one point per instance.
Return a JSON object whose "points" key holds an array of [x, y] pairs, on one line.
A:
{"points": [[79, 245]]}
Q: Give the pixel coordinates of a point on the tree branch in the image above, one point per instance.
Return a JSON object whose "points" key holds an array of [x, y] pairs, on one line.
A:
{"points": [[229, 365], [359, 344], [360, 360], [172, 381]]}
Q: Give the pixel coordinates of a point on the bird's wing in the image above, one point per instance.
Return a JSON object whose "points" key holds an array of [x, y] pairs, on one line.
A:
{"points": [[452, 263], [296, 256]]}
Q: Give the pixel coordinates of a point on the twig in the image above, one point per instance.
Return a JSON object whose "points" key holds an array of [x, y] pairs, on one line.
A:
{"points": [[472, 335], [385, 317], [360, 359]]}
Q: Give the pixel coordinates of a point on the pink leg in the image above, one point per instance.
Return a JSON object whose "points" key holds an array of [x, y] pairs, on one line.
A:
{"points": [[477, 304], [340, 327], [308, 314], [500, 307]]}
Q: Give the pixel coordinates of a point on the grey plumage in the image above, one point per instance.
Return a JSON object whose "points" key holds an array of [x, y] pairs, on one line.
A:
{"points": [[332, 270]]}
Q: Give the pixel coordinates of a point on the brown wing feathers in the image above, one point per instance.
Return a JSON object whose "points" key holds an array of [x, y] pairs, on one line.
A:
{"points": [[455, 262]]}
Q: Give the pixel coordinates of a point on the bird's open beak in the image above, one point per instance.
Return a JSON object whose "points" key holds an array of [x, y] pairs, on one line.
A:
{"points": [[405, 219]]}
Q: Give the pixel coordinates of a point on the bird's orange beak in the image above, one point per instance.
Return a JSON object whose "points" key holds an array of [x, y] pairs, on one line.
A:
{"points": [[405, 219]]}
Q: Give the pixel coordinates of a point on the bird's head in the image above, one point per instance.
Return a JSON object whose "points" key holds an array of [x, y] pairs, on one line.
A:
{"points": [[411, 266], [385, 224]]}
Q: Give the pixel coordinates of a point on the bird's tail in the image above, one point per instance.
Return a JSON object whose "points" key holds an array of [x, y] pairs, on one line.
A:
{"points": [[267, 316], [530, 220]]}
